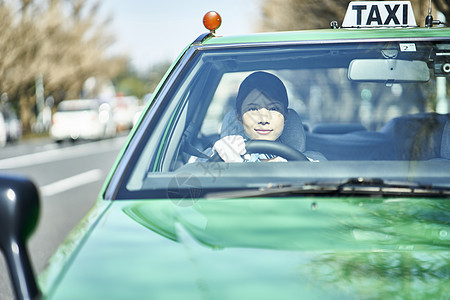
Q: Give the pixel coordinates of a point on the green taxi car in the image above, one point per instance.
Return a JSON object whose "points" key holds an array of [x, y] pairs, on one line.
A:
{"points": [[293, 165]]}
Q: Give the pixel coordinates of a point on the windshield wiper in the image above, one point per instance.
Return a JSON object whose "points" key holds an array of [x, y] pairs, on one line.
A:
{"points": [[348, 187], [377, 186]]}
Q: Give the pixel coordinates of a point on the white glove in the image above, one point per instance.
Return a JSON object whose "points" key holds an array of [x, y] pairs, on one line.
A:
{"points": [[230, 148], [277, 159]]}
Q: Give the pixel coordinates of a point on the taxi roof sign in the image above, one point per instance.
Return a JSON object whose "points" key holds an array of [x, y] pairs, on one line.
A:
{"points": [[379, 14]]}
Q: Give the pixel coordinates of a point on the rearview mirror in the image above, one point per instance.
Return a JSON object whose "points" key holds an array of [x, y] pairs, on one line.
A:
{"points": [[19, 211], [388, 70]]}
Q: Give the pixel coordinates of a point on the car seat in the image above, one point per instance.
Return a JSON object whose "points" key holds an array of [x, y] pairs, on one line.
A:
{"points": [[418, 136]]}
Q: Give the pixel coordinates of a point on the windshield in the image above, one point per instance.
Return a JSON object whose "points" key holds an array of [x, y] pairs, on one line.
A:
{"points": [[352, 110]]}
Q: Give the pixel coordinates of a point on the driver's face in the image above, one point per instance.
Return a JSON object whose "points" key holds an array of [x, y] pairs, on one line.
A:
{"points": [[262, 118]]}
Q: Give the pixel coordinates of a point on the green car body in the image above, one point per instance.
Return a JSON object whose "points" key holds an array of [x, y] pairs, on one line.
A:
{"points": [[316, 248], [165, 230], [329, 35]]}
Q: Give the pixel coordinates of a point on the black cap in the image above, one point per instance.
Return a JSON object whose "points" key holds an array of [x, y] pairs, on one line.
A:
{"points": [[268, 84]]}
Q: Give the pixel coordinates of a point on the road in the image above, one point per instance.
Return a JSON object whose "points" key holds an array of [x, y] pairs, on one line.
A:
{"points": [[69, 178]]}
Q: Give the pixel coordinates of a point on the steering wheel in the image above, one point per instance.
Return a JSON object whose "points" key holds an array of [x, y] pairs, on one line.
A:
{"points": [[269, 147]]}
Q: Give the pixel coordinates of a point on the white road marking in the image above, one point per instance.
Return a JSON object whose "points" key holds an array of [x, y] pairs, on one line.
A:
{"points": [[71, 182], [60, 154]]}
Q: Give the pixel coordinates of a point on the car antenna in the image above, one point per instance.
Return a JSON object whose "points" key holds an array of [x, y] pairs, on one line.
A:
{"points": [[429, 22]]}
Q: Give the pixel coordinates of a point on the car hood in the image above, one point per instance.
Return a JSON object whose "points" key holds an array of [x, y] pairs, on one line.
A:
{"points": [[312, 248]]}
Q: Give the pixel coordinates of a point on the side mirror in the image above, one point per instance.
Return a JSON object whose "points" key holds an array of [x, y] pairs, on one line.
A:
{"points": [[19, 211]]}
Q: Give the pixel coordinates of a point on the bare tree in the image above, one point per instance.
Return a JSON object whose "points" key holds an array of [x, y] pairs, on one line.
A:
{"points": [[278, 15], [61, 42], [300, 14]]}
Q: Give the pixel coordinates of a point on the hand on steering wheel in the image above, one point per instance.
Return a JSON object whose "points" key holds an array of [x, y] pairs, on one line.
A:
{"points": [[237, 147], [275, 148], [230, 148]]}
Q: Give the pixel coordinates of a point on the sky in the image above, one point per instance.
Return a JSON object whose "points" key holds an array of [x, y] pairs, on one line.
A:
{"points": [[151, 32]]}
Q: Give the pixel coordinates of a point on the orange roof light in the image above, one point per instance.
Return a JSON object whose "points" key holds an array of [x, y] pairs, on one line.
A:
{"points": [[212, 21]]}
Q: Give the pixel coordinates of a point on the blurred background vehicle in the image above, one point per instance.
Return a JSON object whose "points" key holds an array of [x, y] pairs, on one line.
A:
{"points": [[87, 119], [10, 127], [3, 130], [141, 107], [124, 111], [13, 126]]}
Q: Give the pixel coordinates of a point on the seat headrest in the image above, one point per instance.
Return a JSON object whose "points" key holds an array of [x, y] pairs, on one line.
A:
{"points": [[293, 134]]}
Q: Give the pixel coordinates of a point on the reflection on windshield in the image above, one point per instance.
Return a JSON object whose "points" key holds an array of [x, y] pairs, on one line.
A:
{"points": [[417, 271]]}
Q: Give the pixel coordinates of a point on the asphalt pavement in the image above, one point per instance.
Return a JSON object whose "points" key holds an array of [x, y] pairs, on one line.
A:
{"points": [[69, 177]]}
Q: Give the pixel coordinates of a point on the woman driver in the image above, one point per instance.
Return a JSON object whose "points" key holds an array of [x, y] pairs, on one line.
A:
{"points": [[262, 110]]}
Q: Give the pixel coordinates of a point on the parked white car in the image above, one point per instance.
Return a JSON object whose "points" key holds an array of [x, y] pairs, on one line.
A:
{"points": [[3, 131], [13, 126], [82, 119]]}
